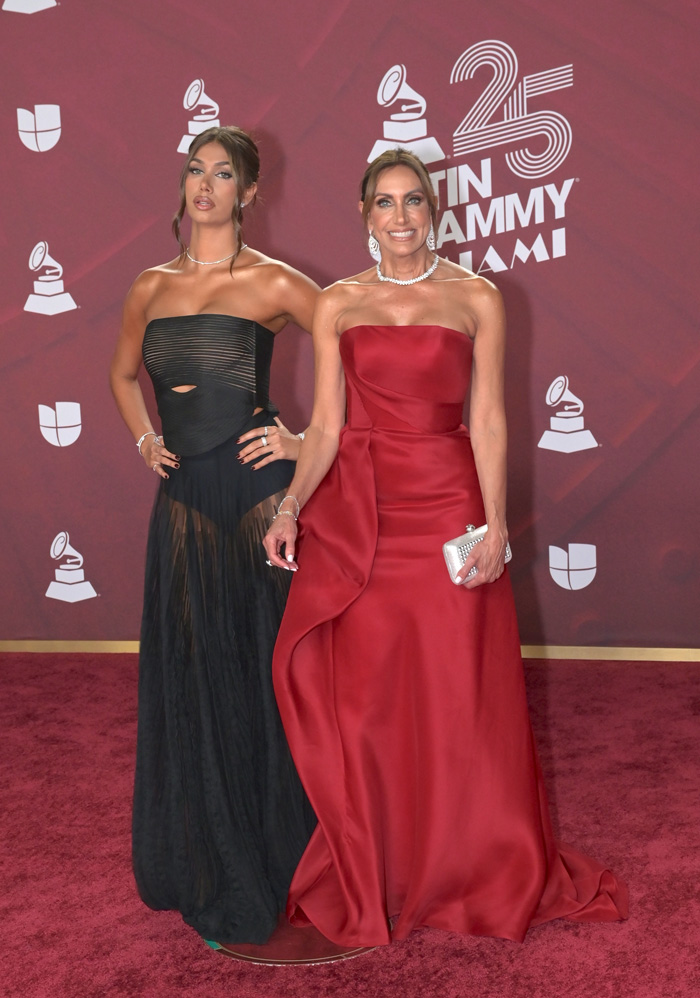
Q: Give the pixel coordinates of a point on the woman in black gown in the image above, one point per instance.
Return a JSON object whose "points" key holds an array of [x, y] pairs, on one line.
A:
{"points": [[220, 817]]}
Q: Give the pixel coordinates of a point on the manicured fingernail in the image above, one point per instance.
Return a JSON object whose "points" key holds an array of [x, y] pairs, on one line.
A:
{"points": [[290, 557], [177, 465]]}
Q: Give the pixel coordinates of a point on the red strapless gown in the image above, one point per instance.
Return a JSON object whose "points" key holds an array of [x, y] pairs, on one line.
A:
{"points": [[402, 695]]}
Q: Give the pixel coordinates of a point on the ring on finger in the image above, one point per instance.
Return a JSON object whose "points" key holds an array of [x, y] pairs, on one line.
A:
{"points": [[154, 466], [263, 439], [268, 563]]}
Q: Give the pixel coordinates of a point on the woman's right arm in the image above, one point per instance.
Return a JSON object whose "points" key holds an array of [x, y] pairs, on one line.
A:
{"points": [[320, 443], [123, 375]]}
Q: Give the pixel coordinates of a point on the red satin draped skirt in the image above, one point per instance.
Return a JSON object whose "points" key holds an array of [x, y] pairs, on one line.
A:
{"points": [[402, 695]]}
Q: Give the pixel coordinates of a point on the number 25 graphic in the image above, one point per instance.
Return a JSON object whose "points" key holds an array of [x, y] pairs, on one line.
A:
{"points": [[478, 132]]}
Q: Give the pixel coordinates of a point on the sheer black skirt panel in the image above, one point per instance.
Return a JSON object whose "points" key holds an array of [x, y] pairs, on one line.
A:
{"points": [[220, 818]]}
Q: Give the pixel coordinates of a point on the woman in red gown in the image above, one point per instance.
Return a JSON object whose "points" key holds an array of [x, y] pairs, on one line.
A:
{"points": [[402, 694]]}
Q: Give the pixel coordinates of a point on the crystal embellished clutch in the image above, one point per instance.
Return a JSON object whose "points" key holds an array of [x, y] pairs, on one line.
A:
{"points": [[457, 551]]}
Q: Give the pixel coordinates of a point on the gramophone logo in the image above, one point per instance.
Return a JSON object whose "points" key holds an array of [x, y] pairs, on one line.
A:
{"points": [[566, 432], [208, 116], [60, 426], [69, 584], [49, 297], [28, 6], [39, 129], [575, 568], [406, 127]]}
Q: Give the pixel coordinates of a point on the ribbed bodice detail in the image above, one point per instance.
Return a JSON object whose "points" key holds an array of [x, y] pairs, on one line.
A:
{"points": [[227, 359]]}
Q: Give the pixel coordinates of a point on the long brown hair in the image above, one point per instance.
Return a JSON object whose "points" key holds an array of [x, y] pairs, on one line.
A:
{"points": [[244, 159]]}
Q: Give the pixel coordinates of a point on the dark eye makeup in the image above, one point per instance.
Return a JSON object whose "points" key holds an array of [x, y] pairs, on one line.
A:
{"points": [[383, 202]]}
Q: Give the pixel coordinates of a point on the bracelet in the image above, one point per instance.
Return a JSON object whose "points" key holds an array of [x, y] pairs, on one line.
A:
{"points": [[300, 435], [295, 515], [283, 512], [143, 437]]}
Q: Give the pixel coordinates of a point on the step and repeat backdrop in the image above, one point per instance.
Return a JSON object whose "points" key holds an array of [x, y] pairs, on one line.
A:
{"points": [[560, 139]]}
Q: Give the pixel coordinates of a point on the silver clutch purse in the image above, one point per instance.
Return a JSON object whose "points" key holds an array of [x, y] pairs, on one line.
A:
{"points": [[457, 551]]}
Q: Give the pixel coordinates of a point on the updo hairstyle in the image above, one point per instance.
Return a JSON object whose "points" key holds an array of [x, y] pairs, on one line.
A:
{"points": [[244, 159]]}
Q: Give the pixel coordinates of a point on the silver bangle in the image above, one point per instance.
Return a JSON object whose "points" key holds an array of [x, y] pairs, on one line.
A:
{"points": [[143, 437], [295, 500]]}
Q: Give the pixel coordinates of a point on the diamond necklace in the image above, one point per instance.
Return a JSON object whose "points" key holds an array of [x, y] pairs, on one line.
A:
{"points": [[213, 263], [413, 280]]}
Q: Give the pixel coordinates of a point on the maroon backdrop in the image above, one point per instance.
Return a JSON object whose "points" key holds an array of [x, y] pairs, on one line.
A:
{"points": [[560, 138]]}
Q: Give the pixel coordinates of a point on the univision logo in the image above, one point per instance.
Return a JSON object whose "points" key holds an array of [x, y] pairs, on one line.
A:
{"points": [[574, 568], [39, 129], [60, 426]]}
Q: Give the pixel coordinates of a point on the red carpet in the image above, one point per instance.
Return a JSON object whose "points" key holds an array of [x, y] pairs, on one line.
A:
{"points": [[620, 743]]}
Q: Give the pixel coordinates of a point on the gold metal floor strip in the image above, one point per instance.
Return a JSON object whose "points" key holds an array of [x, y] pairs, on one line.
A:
{"points": [[564, 652]]}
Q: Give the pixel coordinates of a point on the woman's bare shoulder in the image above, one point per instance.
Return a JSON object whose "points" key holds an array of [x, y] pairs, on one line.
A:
{"points": [[145, 290], [364, 278], [264, 265], [275, 273], [330, 305], [344, 292], [150, 282], [332, 298], [452, 273], [470, 290], [347, 289]]}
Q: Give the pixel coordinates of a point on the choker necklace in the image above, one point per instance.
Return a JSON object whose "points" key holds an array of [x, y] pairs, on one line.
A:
{"points": [[213, 263], [413, 280]]}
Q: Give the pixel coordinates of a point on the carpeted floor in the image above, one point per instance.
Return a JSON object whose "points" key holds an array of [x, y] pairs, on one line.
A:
{"points": [[620, 744]]}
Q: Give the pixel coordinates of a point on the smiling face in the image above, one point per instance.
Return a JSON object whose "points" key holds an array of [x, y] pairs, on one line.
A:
{"points": [[211, 191], [399, 216]]}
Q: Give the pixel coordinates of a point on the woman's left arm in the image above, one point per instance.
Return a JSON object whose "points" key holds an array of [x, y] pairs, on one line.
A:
{"points": [[487, 430], [296, 296]]}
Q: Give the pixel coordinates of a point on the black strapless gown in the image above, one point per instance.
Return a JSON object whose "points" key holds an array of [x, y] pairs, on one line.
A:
{"points": [[220, 818]]}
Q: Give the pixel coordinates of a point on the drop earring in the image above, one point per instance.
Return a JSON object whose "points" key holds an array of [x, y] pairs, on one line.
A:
{"points": [[374, 248], [430, 241]]}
